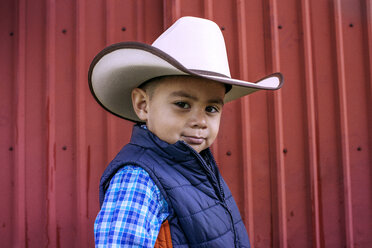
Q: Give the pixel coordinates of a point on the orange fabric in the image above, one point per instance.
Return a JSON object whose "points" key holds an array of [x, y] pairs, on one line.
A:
{"points": [[164, 239]]}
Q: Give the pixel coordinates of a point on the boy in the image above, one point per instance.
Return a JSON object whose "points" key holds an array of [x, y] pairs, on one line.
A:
{"points": [[164, 187]]}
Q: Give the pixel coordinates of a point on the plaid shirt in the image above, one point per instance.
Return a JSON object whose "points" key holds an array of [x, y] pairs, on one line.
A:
{"points": [[132, 212]]}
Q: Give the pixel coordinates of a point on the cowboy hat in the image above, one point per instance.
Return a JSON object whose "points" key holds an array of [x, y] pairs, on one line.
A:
{"points": [[191, 46]]}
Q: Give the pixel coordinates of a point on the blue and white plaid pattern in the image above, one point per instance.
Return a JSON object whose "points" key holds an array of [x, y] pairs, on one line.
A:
{"points": [[132, 212]]}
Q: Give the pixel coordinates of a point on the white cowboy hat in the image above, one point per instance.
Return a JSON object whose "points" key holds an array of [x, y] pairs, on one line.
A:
{"points": [[191, 46]]}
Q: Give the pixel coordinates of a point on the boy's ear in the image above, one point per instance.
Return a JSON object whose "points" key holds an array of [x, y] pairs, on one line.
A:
{"points": [[140, 101]]}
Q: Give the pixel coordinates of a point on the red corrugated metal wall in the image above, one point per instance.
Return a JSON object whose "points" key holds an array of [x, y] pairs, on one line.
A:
{"points": [[297, 160]]}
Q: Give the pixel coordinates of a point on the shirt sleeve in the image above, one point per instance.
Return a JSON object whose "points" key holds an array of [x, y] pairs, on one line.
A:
{"points": [[132, 212]]}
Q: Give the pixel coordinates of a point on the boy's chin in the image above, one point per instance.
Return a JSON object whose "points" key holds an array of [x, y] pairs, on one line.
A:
{"points": [[198, 148]]}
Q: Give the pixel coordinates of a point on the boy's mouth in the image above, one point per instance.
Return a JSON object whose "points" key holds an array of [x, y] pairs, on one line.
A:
{"points": [[193, 140]]}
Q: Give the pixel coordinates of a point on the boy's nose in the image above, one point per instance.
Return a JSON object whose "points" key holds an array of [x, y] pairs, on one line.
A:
{"points": [[199, 119]]}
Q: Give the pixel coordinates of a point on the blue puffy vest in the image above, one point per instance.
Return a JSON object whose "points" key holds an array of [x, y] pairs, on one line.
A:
{"points": [[203, 212]]}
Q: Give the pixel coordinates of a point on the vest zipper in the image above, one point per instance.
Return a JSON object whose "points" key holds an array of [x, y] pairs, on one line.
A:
{"points": [[228, 209], [221, 193], [223, 201]]}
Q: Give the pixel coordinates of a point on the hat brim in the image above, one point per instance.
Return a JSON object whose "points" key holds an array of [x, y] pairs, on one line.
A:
{"points": [[121, 67]]}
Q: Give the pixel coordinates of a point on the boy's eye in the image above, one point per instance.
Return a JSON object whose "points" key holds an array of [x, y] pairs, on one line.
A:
{"points": [[211, 109], [182, 105]]}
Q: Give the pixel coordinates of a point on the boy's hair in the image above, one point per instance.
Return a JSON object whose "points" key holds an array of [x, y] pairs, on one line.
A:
{"points": [[150, 85]]}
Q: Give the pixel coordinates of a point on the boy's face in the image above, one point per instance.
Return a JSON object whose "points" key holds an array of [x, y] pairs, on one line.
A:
{"points": [[182, 108]]}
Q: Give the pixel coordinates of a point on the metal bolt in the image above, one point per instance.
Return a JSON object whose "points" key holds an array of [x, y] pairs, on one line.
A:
{"points": [[123, 29], [280, 26], [351, 25], [222, 28], [64, 148], [64, 31], [11, 148], [285, 150], [11, 33], [228, 153], [359, 148]]}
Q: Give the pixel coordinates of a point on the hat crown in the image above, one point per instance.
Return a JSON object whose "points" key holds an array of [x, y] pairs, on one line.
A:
{"points": [[198, 44]]}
